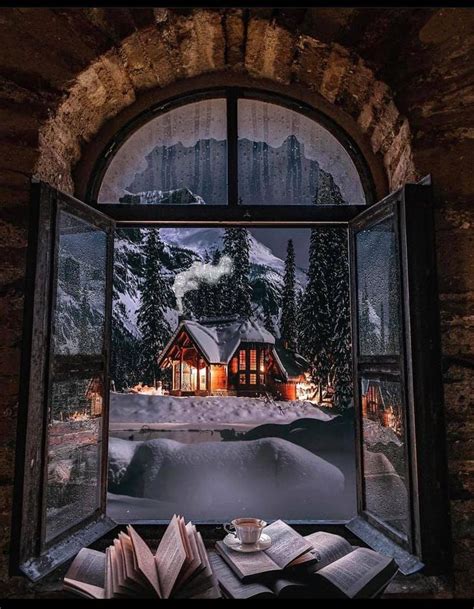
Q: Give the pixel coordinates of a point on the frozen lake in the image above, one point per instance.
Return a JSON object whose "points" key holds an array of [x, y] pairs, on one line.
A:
{"points": [[214, 458]]}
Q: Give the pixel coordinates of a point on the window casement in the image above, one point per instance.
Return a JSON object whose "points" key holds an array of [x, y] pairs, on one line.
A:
{"points": [[65, 368], [253, 359]]}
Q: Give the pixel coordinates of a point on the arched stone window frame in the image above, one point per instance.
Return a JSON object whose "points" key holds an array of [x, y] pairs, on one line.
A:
{"points": [[410, 204]]}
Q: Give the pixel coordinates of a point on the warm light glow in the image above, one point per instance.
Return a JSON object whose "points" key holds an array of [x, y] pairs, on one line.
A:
{"points": [[202, 378], [306, 390]]}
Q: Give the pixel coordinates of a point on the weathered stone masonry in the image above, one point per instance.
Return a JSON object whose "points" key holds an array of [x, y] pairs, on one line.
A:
{"points": [[403, 77]]}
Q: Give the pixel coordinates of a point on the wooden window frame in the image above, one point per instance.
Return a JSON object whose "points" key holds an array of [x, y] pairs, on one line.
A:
{"points": [[231, 211], [435, 517], [32, 553]]}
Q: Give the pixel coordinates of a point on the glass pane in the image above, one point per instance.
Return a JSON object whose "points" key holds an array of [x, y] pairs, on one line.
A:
{"points": [[232, 382], [81, 289], [74, 453], [285, 158], [385, 470], [378, 279], [178, 158]]}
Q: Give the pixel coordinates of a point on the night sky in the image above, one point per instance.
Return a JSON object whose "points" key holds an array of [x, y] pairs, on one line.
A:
{"points": [[277, 239]]}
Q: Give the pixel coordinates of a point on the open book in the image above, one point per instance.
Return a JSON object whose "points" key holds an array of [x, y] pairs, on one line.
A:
{"points": [[341, 571], [288, 549], [180, 567]]}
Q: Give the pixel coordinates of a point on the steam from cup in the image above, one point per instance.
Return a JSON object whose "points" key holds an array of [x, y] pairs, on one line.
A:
{"points": [[197, 273]]}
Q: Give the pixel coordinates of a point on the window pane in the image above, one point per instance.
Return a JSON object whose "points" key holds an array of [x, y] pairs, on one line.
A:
{"points": [[80, 297], [285, 158], [378, 276], [179, 157], [223, 451], [74, 453], [385, 468]]}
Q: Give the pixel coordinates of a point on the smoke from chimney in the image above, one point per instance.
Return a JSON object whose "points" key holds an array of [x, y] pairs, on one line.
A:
{"points": [[199, 272]]}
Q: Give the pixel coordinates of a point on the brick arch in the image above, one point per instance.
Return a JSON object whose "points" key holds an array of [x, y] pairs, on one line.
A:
{"points": [[180, 47]]}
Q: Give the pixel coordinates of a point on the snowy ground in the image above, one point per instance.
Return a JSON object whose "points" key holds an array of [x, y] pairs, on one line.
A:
{"points": [[269, 477], [132, 410], [285, 459]]}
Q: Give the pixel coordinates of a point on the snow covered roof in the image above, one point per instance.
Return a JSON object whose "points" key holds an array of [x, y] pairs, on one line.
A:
{"points": [[293, 364], [219, 338]]}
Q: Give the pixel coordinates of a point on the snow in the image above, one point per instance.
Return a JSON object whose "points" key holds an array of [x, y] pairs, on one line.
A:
{"points": [[202, 240], [133, 408], [268, 477], [375, 320], [375, 433], [218, 340], [175, 196]]}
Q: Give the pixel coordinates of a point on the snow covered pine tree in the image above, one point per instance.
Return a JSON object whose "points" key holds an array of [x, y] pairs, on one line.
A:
{"points": [[155, 298], [315, 312], [236, 297], [324, 316], [288, 321]]}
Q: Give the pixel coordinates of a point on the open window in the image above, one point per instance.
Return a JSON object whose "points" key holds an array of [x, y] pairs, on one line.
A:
{"points": [[399, 434], [397, 380], [62, 484]]}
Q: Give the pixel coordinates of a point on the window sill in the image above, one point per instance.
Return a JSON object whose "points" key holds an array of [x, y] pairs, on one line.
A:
{"points": [[402, 586]]}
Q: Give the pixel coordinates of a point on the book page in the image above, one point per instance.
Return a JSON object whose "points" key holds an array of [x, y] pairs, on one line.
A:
{"points": [[170, 557], [113, 572], [291, 588], [213, 592], [308, 559], [247, 565], [202, 579], [232, 585], [287, 544], [184, 537], [131, 572], [88, 567], [330, 547], [355, 570], [108, 575], [83, 589], [195, 565], [145, 560]]}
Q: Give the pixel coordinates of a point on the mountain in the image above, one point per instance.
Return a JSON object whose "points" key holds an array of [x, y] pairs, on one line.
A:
{"points": [[183, 246], [178, 196], [268, 175]]}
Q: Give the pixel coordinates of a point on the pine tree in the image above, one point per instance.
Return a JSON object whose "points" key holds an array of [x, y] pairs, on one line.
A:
{"points": [[314, 315], [205, 295], [324, 314], [368, 330], [288, 322], [341, 343], [155, 299], [216, 289], [236, 293], [268, 319]]}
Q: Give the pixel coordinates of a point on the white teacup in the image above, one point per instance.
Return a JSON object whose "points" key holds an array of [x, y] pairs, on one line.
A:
{"points": [[247, 530]]}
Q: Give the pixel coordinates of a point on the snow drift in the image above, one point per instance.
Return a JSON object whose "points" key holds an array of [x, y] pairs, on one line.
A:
{"points": [[137, 408], [268, 477]]}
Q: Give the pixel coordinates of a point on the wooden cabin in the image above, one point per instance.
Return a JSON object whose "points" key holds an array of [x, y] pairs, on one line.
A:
{"points": [[381, 406], [230, 356]]}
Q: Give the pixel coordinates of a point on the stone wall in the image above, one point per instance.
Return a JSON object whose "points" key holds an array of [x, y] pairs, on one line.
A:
{"points": [[402, 77]]}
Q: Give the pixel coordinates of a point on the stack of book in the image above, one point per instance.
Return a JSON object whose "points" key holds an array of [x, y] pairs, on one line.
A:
{"points": [[320, 565], [180, 567]]}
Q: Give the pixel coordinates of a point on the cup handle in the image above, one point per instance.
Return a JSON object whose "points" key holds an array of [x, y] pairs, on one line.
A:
{"points": [[228, 530]]}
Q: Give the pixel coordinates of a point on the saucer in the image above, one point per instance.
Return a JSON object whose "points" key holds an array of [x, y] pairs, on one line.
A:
{"points": [[231, 541]]}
